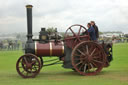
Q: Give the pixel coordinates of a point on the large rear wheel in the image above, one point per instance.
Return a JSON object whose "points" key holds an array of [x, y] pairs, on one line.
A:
{"points": [[88, 58]]}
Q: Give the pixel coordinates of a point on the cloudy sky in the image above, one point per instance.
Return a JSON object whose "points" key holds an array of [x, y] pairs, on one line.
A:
{"points": [[109, 15]]}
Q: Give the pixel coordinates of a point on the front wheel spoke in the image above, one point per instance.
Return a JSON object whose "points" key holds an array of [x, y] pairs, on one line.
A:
{"points": [[36, 64], [33, 62], [35, 68], [27, 74], [28, 69], [26, 62]]}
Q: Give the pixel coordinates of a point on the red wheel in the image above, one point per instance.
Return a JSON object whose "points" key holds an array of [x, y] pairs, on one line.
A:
{"points": [[28, 66], [88, 58], [74, 35]]}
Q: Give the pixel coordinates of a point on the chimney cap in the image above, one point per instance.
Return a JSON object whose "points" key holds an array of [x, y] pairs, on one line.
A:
{"points": [[29, 6]]}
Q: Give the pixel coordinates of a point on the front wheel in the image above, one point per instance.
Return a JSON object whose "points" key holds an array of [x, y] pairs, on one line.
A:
{"points": [[28, 66]]}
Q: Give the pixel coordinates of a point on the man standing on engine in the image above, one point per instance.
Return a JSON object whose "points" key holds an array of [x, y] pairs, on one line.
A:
{"points": [[96, 29], [91, 31]]}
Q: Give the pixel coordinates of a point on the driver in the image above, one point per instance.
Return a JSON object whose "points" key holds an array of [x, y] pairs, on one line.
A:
{"points": [[91, 31]]}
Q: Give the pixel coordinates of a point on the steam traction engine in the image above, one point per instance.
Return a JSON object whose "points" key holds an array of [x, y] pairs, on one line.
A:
{"points": [[76, 51]]}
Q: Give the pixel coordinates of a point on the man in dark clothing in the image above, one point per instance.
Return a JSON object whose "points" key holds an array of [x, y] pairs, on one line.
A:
{"points": [[96, 29], [91, 31]]}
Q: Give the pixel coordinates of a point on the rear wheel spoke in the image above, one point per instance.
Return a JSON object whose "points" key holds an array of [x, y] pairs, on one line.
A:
{"points": [[88, 70], [94, 64], [87, 49], [80, 52], [97, 53], [96, 57], [77, 55], [90, 48], [92, 67], [93, 51], [85, 66], [81, 66], [97, 61], [78, 63]]}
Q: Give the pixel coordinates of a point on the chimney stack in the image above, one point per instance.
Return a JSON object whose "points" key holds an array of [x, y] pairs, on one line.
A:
{"points": [[29, 23]]}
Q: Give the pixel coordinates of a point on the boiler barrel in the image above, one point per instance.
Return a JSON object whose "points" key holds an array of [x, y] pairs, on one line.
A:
{"points": [[49, 49]]}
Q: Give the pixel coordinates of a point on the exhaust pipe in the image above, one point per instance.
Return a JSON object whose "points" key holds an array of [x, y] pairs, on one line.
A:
{"points": [[29, 23]]}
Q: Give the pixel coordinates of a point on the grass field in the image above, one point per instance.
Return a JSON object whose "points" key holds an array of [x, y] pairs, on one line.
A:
{"points": [[116, 74]]}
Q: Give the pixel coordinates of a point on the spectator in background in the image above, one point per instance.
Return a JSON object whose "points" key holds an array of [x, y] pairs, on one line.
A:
{"points": [[91, 31], [96, 29], [1, 45]]}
